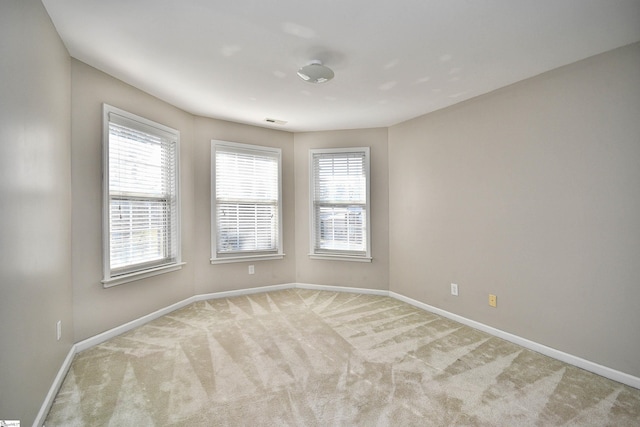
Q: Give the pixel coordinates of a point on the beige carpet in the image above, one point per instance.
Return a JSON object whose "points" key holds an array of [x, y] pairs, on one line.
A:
{"points": [[317, 358]]}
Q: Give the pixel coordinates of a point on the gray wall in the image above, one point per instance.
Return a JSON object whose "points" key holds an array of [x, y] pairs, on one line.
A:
{"points": [[96, 309], [531, 193], [35, 207], [233, 276], [374, 275]]}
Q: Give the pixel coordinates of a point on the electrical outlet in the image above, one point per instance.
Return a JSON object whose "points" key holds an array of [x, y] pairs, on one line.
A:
{"points": [[252, 269], [493, 300], [59, 330], [454, 289]]}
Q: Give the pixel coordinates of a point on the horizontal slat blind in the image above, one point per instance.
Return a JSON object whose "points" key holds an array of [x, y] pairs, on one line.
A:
{"points": [[339, 202], [142, 196], [246, 200]]}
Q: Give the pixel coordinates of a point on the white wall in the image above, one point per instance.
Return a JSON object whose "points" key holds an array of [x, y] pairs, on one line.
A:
{"points": [[35, 207], [531, 193]]}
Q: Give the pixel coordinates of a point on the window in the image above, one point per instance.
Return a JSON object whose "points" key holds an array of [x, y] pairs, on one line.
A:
{"points": [[340, 204], [141, 215], [246, 218]]}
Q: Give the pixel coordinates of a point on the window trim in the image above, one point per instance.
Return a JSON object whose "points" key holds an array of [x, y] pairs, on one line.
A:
{"points": [[108, 279], [217, 258], [339, 255]]}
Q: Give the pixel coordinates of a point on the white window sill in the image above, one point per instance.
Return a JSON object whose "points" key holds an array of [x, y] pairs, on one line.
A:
{"points": [[138, 275], [336, 257], [245, 258]]}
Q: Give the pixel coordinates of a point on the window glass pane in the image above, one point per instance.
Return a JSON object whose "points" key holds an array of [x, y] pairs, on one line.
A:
{"points": [[339, 186], [138, 232], [341, 228], [246, 177], [137, 162], [340, 179], [142, 194], [247, 227], [246, 197]]}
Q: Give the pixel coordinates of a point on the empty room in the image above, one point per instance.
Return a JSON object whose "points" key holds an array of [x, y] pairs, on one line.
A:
{"points": [[285, 213]]}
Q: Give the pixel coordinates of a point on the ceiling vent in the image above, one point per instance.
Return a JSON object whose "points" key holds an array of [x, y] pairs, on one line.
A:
{"points": [[275, 121]]}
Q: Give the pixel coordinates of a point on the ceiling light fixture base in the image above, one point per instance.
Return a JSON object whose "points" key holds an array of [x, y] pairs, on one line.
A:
{"points": [[315, 72]]}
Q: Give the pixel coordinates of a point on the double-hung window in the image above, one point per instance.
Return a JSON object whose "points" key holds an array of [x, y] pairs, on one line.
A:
{"points": [[339, 204], [141, 211], [246, 206]]}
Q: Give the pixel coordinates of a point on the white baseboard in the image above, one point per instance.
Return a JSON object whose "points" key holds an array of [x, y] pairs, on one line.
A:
{"points": [[53, 390], [118, 330], [587, 365], [342, 289], [248, 291], [604, 371]]}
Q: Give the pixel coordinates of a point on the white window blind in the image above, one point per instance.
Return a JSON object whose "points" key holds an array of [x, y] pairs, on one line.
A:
{"points": [[340, 194], [141, 183], [245, 200]]}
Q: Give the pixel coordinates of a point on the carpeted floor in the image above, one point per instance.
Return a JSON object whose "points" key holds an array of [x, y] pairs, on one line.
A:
{"points": [[317, 358]]}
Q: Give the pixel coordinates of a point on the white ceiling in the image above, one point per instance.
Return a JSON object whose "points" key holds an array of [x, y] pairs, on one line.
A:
{"points": [[393, 60]]}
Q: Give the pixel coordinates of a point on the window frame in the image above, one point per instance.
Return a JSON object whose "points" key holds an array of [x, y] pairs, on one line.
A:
{"points": [[340, 255], [222, 258], [111, 277]]}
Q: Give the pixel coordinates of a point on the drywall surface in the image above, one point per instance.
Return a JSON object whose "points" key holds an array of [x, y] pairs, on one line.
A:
{"points": [[97, 309], [374, 275], [531, 193], [35, 207], [233, 276]]}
